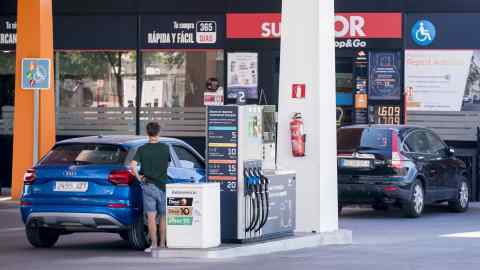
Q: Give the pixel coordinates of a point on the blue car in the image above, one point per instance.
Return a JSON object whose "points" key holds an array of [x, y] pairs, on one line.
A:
{"points": [[85, 185]]}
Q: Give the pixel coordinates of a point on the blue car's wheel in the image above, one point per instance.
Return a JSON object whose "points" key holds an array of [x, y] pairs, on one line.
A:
{"points": [[41, 237], [124, 235], [138, 235]]}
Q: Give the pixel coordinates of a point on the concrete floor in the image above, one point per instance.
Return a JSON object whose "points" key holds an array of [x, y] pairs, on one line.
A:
{"points": [[382, 240]]}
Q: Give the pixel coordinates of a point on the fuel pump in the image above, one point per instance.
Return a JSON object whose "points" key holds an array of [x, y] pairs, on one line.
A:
{"points": [[241, 154]]}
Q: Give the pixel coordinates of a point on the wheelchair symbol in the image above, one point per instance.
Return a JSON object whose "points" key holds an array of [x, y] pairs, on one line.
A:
{"points": [[423, 33]]}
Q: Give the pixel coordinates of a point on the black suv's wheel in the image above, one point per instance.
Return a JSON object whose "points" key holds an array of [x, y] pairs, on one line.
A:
{"points": [[462, 200], [413, 208], [41, 237], [138, 235]]}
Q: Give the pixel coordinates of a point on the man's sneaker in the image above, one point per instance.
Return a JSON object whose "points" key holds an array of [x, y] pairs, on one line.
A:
{"points": [[149, 249]]}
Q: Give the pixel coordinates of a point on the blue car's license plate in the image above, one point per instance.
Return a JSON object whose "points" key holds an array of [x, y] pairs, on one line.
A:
{"points": [[71, 186]]}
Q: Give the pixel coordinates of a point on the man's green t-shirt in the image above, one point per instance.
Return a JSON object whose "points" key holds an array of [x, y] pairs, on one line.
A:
{"points": [[154, 159]]}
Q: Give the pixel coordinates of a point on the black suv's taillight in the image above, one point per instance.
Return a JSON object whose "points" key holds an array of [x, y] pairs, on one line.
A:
{"points": [[29, 177], [121, 177], [397, 163]]}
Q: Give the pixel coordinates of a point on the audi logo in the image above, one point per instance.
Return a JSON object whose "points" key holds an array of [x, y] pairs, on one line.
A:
{"points": [[70, 173]]}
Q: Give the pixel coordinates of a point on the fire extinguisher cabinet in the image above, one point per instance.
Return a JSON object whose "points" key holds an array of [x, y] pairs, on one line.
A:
{"points": [[193, 215]]}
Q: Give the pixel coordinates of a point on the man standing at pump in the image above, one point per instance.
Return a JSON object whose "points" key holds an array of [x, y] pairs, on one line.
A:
{"points": [[153, 158]]}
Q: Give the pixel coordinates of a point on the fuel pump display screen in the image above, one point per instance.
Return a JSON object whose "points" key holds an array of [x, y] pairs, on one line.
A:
{"points": [[384, 114]]}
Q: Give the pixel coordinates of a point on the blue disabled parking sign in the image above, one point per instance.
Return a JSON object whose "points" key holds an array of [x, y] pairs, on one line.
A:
{"points": [[35, 73], [424, 33]]}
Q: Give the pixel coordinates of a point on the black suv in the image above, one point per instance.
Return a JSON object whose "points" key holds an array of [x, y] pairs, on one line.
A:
{"points": [[402, 166]]}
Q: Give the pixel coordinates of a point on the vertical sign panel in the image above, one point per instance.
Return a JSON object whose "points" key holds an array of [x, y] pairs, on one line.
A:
{"points": [[222, 145], [384, 76]]}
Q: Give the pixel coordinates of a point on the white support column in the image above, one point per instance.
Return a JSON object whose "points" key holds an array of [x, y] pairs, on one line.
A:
{"points": [[308, 56]]}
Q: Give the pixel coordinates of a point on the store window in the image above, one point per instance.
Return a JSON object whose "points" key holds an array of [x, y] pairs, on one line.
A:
{"points": [[7, 79], [95, 79], [344, 90], [178, 78]]}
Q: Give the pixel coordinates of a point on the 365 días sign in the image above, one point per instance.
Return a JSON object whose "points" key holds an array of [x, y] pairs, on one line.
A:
{"points": [[36, 73]]}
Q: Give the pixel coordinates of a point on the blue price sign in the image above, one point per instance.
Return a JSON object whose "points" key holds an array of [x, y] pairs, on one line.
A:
{"points": [[35, 73]]}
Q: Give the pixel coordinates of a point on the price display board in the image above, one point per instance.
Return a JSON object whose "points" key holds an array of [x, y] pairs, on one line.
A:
{"points": [[384, 114]]}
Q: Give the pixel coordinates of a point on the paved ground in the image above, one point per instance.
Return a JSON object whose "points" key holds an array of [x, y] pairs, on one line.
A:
{"points": [[383, 240]]}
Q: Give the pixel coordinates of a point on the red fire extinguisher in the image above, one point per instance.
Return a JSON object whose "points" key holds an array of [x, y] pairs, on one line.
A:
{"points": [[298, 136]]}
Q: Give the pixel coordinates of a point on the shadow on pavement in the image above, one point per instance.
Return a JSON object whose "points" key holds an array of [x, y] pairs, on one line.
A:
{"points": [[365, 212]]}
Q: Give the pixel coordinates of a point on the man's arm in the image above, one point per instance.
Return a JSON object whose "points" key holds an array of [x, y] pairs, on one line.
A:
{"points": [[134, 168]]}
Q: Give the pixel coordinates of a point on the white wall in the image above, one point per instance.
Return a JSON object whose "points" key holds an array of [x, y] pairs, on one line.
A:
{"points": [[308, 56]]}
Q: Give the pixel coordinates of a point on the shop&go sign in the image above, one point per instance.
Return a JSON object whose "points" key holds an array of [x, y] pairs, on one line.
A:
{"points": [[182, 32], [351, 29]]}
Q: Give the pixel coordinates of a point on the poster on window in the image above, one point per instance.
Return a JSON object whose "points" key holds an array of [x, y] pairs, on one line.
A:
{"points": [[384, 76], [242, 75], [442, 80]]}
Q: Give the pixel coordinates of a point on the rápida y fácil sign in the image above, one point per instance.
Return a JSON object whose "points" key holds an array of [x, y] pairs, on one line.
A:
{"points": [[183, 32]]}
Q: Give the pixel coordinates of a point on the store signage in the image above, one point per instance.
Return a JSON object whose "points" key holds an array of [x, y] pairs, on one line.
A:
{"points": [[8, 33], [351, 29], [423, 32], [253, 25], [182, 32], [368, 25], [298, 91], [361, 101], [442, 80], [384, 75], [442, 31]]}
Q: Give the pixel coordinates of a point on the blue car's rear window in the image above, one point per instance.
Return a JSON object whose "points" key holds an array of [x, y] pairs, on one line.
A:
{"points": [[84, 154]]}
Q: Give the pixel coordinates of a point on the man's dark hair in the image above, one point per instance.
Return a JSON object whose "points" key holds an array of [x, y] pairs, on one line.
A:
{"points": [[153, 129], [210, 82]]}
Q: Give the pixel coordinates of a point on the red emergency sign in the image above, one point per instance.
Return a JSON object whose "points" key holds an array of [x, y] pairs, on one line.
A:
{"points": [[298, 91]]}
